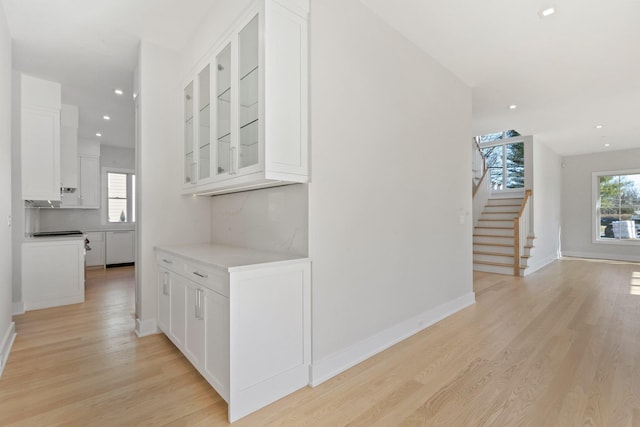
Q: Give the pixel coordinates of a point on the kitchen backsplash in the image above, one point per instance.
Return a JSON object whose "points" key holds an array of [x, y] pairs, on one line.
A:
{"points": [[272, 219]]}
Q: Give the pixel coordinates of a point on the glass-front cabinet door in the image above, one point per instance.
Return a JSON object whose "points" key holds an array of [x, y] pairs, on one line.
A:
{"points": [[204, 124], [248, 88], [189, 125], [223, 92]]}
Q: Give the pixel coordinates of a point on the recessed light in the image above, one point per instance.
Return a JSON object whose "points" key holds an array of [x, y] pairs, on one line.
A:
{"points": [[599, 126], [106, 117], [98, 134], [118, 91], [546, 12], [513, 107], [607, 145]]}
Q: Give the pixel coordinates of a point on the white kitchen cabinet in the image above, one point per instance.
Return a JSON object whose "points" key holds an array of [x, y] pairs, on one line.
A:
{"points": [[245, 111], [89, 182], [164, 302], [40, 138], [68, 147], [120, 247], [52, 272], [241, 317], [95, 257]]}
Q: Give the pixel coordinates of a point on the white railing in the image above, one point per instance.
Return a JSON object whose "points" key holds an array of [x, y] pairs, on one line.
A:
{"points": [[478, 165], [481, 183], [521, 231]]}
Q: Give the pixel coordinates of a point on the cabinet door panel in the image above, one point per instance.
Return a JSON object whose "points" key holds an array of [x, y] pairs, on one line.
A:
{"points": [[178, 305], [164, 303], [223, 92], [248, 87], [40, 154], [194, 321], [189, 124], [89, 182], [216, 356]]}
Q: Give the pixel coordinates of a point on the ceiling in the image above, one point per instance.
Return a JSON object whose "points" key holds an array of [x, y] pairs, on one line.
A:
{"points": [[566, 73], [91, 46]]}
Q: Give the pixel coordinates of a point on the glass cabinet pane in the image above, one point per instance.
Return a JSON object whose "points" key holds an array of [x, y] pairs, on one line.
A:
{"points": [[223, 110], [248, 48], [188, 134], [204, 127]]}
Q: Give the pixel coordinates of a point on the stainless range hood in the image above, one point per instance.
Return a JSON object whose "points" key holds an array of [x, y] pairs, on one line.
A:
{"points": [[42, 203]]}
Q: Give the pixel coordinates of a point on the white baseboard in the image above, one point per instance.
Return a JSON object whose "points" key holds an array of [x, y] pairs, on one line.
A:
{"points": [[330, 366], [539, 264], [595, 255], [146, 327], [6, 344], [18, 308]]}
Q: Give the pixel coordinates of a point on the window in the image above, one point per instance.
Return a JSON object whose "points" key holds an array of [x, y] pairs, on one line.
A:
{"points": [[120, 196], [617, 197], [506, 165]]}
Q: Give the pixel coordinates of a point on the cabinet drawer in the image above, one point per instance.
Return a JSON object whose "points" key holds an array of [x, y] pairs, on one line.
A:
{"points": [[170, 262], [210, 278]]}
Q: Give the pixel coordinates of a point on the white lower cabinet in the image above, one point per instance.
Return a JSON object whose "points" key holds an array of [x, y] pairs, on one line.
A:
{"points": [[164, 293], [120, 247], [52, 272], [95, 256], [241, 317]]}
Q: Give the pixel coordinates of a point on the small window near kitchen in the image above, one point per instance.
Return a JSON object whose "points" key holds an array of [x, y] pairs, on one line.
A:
{"points": [[120, 197]]}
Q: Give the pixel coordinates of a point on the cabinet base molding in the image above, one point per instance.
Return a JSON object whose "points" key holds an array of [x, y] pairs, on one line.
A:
{"points": [[251, 399], [332, 365], [53, 302], [146, 327], [6, 344]]}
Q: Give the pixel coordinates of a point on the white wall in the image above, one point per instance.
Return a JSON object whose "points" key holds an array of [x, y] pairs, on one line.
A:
{"points": [[89, 219], [7, 328], [272, 219], [547, 205], [390, 160], [578, 206], [17, 207], [164, 215]]}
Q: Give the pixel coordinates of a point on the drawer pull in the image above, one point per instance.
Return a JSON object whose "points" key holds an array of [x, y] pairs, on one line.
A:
{"points": [[204, 276], [167, 261]]}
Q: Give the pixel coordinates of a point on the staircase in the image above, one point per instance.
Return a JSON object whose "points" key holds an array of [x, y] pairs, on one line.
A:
{"points": [[493, 238]]}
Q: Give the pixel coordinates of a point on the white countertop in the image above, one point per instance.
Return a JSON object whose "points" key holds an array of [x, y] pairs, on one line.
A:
{"points": [[227, 257]]}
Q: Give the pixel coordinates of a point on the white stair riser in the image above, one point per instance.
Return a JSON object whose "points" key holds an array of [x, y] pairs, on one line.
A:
{"points": [[491, 248], [514, 201], [508, 216], [482, 222], [489, 208], [503, 259], [494, 231], [493, 239]]}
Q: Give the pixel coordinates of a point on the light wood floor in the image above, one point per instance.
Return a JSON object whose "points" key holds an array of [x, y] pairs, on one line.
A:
{"points": [[558, 348]]}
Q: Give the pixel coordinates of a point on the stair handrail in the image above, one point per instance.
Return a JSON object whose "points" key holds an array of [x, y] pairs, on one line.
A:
{"points": [[521, 225], [481, 189]]}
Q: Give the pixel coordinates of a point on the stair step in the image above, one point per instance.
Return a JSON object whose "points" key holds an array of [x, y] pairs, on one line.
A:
{"points": [[496, 264], [497, 213], [495, 228], [492, 219], [494, 244], [490, 253], [492, 235]]}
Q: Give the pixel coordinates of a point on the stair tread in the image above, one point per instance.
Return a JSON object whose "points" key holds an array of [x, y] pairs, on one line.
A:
{"points": [[501, 245], [498, 213], [495, 228], [497, 264], [492, 253], [493, 235], [495, 219]]}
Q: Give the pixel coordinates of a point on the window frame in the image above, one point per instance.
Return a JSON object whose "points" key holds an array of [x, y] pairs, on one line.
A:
{"points": [[105, 196], [505, 142], [595, 206]]}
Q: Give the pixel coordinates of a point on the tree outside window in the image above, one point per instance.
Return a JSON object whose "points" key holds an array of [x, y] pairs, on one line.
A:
{"points": [[619, 206]]}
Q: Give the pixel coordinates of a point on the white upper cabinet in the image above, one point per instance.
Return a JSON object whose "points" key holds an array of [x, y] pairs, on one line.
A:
{"points": [[40, 139], [246, 107], [69, 147]]}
